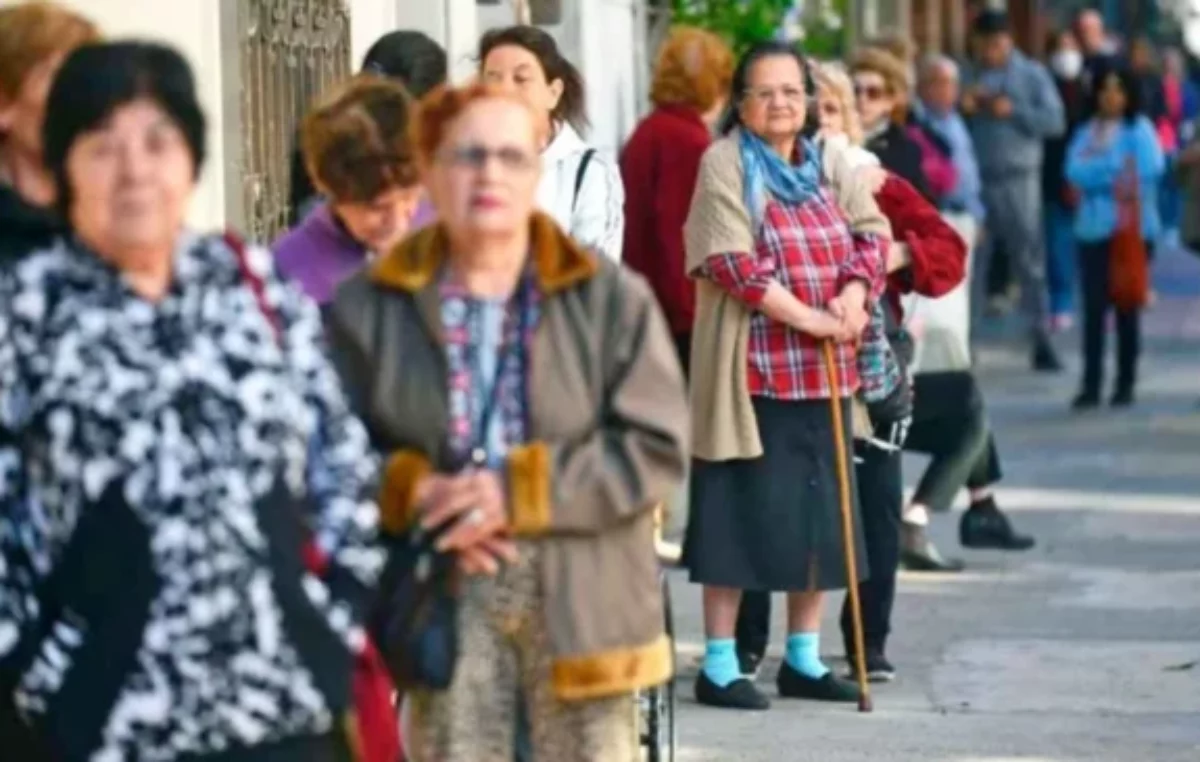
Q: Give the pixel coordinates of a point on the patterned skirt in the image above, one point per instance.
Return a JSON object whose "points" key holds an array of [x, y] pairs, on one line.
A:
{"points": [[774, 522], [505, 666]]}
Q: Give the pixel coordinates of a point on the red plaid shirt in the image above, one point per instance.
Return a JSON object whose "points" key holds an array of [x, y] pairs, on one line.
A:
{"points": [[810, 250]]}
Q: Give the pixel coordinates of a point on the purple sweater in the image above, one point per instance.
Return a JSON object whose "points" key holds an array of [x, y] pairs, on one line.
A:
{"points": [[319, 253]]}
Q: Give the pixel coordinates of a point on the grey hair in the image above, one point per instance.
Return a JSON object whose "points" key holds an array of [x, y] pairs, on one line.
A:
{"points": [[933, 61]]}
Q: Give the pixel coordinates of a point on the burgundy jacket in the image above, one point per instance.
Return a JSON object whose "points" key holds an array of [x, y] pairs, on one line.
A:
{"points": [[659, 165], [939, 253]]}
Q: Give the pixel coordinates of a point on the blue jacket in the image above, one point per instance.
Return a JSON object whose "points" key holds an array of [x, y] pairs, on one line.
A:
{"points": [[966, 193], [1095, 168]]}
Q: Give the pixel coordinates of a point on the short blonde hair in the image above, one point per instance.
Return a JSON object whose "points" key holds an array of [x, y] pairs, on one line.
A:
{"points": [[32, 33], [694, 68], [831, 77]]}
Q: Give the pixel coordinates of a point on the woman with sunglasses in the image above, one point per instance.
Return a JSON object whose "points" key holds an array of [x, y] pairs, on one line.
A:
{"points": [[528, 398], [881, 95], [787, 248]]}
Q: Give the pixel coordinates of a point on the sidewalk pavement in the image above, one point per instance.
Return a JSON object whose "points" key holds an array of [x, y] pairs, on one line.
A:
{"points": [[1086, 649]]}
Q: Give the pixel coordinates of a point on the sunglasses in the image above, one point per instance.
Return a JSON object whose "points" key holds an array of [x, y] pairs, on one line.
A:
{"points": [[870, 92], [476, 157]]}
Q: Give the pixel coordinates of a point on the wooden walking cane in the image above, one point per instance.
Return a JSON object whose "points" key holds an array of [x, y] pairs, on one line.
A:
{"points": [[843, 474]]}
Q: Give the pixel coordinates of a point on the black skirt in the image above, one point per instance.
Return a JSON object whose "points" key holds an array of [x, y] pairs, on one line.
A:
{"points": [[774, 522]]}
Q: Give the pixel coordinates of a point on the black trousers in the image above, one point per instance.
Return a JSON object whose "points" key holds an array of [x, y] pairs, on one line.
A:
{"points": [[950, 425], [1094, 282], [880, 490]]}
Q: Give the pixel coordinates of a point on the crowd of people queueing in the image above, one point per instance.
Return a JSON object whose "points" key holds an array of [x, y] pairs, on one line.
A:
{"points": [[476, 368]]}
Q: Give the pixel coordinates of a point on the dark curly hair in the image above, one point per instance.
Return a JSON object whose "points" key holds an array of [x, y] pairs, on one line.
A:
{"points": [[356, 143]]}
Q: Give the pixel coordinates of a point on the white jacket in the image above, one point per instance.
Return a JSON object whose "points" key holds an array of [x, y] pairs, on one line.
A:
{"points": [[596, 218]]}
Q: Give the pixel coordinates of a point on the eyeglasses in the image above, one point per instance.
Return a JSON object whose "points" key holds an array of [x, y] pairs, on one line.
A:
{"points": [[765, 95], [870, 92], [476, 157]]}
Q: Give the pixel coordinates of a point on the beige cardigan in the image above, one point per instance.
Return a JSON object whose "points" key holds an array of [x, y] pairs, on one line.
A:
{"points": [[723, 423]]}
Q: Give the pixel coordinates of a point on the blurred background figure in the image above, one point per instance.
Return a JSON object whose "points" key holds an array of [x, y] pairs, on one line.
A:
{"points": [[659, 164], [1058, 196], [411, 58], [580, 188], [357, 151], [34, 39], [166, 410], [1116, 162], [1012, 106], [519, 381]]}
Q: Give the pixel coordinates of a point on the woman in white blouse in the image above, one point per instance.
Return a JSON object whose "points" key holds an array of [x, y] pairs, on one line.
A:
{"points": [[580, 188]]}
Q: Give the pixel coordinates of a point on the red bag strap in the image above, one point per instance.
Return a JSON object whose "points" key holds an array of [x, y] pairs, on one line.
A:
{"points": [[256, 284]]}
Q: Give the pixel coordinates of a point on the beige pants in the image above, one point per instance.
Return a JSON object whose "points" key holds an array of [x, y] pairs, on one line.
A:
{"points": [[503, 659]]}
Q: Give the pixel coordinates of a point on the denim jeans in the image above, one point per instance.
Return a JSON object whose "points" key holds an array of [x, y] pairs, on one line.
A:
{"points": [[1060, 258]]}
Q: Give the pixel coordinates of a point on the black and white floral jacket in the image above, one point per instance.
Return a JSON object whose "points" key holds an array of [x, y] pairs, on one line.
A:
{"points": [[160, 466]]}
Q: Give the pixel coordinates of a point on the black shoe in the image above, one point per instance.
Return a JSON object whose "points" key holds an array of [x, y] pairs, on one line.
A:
{"points": [[984, 526], [748, 664], [1045, 359], [740, 694], [794, 685], [879, 669], [1085, 401], [919, 554], [1122, 398]]}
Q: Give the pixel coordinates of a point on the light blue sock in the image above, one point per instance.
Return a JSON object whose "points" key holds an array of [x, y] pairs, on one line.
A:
{"points": [[804, 654], [720, 662]]}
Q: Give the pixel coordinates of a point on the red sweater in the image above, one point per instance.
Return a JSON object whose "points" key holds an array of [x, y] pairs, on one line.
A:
{"points": [[659, 165], [939, 253]]}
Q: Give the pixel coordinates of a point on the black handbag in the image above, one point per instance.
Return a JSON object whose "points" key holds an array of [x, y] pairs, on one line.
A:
{"points": [[414, 621]]}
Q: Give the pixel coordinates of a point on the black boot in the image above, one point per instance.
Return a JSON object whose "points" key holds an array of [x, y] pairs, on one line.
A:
{"points": [[1045, 358], [984, 526], [1085, 400], [918, 553]]}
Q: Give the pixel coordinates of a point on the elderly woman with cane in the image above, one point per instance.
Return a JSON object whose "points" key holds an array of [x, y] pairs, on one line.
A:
{"points": [[528, 396], [787, 246]]}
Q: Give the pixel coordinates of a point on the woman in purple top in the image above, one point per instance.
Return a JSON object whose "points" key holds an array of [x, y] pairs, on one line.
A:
{"points": [[356, 150]]}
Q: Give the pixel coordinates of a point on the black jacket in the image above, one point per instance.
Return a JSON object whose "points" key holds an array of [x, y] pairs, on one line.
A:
{"points": [[1074, 98], [900, 155], [23, 228]]}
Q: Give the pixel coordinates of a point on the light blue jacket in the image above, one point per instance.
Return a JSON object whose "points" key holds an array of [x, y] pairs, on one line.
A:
{"points": [[1094, 170], [967, 191]]}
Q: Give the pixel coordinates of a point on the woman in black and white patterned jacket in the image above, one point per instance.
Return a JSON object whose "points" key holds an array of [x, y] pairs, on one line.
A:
{"points": [[171, 438]]}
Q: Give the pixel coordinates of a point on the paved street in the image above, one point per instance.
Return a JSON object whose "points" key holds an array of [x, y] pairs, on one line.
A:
{"points": [[1086, 649]]}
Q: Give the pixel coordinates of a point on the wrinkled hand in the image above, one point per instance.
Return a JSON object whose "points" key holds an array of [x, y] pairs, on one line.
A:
{"points": [[824, 325], [850, 307], [471, 503], [969, 102], [1001, 106], [485, 557]]}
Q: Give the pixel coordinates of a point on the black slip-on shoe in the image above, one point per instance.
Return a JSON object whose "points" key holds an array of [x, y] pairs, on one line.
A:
{"points": [[740, 694], [919, 554], [794, 685]]}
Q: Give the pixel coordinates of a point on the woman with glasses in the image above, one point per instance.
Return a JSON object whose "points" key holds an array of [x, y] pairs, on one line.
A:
{"points": [[528, 398], [787, 248], [580, 188], [881, 94]]}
